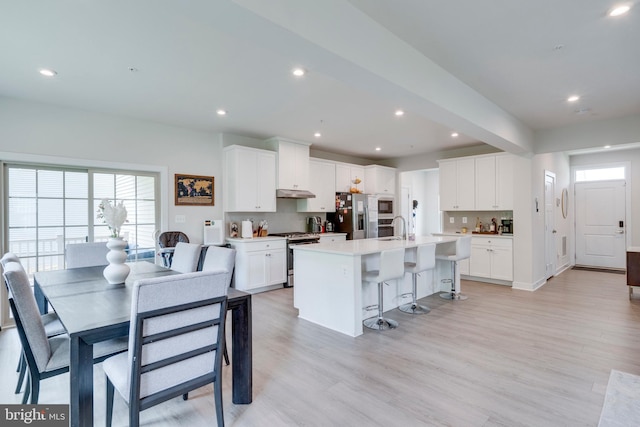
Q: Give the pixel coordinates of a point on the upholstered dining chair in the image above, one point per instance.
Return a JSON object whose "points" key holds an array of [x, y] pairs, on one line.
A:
{"points": [[46, 356], [52, 325], [177, 325], [186, 257], [220, 258], [86, 254], [167, 242]]}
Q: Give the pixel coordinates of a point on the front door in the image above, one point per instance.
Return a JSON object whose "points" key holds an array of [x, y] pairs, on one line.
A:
{"points": [[601, 224]]}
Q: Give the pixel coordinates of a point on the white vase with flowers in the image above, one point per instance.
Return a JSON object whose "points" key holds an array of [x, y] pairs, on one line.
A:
{"points": [[115, 216]]}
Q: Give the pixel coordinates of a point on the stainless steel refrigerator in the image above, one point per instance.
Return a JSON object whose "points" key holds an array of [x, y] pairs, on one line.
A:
{"points": [[352, 216]]}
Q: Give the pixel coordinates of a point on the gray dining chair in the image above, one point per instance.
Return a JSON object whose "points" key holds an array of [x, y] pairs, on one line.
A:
{"points": [[46, 356], [220, 258], [177, 325], [52, 325], [186, 257], [86, 254]]}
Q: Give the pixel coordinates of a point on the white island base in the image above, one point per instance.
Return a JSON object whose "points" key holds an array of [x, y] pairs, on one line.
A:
{"points": [[329, 290]]}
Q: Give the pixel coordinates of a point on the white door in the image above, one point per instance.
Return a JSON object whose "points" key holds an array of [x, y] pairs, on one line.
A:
{"points": [[549, 224], [600, 224]]}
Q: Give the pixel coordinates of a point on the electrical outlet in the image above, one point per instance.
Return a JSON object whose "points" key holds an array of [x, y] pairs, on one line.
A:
{"points": [[452, 220], [180, 219], [464, 219]]}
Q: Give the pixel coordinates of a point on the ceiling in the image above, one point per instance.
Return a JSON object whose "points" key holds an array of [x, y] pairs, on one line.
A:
{"points": [[495, 71]]}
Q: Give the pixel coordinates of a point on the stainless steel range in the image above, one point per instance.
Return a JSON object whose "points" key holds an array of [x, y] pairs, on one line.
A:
{"points": [[295, 238]]}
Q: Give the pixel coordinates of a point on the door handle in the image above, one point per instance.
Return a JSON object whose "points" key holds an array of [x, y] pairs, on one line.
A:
{"points": [[554, 231], [620, 232]]}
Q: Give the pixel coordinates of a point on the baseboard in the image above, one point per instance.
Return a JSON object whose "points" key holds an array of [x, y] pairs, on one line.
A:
{"points": [[524, 286], [563, 268]]}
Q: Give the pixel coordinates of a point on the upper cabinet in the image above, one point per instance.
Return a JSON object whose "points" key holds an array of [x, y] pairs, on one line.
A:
{"points": [[494, 182], [349, 176], [457, 184], [380, 180], [249, 180], [292, 164], [322, 176]]}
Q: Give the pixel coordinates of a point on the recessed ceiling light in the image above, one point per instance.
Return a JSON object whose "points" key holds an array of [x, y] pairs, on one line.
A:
{"points": [[47, 72], [607, 146], [619, 10], [317, 134], [298, 72], [399, 113], [454, 134], [378, 148], [221, 112], [573, 98]]}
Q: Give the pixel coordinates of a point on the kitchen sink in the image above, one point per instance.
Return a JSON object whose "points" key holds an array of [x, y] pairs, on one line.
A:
{"points": [[384, 239]]}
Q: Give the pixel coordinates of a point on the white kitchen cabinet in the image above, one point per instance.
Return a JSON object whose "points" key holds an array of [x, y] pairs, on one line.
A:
{"points": [[463, 265], [292, 164], [328, 238], [457, 184], [494, 182], [491, 258], [249, 180], [346, 175], [261, 264], [322, 177], [380, 180]]}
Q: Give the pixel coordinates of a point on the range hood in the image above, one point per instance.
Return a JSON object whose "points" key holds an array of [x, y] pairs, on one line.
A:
{"points": [[294, 194]]}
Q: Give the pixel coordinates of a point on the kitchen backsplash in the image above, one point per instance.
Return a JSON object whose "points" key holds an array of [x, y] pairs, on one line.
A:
{"points": [[284, 220], [471, 216]]}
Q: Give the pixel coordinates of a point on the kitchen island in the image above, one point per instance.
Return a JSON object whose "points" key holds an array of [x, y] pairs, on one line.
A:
{"points": [[329, 290]]}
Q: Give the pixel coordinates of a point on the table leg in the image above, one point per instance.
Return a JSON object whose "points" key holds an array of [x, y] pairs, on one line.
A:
{"points": [[41, 301], [242, 352], [81, 383]]}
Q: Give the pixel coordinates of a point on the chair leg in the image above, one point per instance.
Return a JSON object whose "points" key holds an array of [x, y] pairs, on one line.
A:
{"points": [[22, 369], [380, 322], [413, 307], [110, 390], [225, 354], [454, 294], [217, 391], [27, 391], [35, 389]]}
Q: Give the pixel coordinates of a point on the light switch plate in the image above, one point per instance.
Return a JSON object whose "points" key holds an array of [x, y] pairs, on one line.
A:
{"points": [[464, 219], [452, 220], [180, 219]]}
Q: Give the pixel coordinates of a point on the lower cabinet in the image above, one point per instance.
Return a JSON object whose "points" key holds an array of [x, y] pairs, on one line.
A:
{"points": [[491, 258], [259, 263]]}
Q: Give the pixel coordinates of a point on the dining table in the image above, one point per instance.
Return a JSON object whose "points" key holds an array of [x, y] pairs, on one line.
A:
{"points": [[92, 310]]}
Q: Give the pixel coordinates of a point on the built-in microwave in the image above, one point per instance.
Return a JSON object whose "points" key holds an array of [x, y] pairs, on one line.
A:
{"points": [[385, 206]]}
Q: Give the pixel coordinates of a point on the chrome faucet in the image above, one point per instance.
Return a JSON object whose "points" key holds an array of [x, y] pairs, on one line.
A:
{"points": [[404, 226]]}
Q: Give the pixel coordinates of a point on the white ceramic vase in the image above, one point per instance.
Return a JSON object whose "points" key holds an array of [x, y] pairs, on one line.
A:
{"points": [[117, 271]]}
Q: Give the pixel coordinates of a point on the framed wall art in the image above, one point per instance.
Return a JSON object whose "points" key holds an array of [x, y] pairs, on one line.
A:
{"points": [[194, 190]]}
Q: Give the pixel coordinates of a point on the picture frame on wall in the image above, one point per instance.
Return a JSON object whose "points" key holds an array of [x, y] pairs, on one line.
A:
{"points": [[194, 190]]}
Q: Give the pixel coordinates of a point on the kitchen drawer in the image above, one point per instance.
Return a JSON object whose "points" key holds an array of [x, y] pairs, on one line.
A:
{"points": [[492, 241], [257, 245]]}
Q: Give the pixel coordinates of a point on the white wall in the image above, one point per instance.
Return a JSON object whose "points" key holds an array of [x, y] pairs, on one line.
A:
{"points": [[54, 135]]}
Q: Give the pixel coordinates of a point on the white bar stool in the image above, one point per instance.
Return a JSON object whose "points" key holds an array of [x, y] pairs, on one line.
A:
{"points": [[391, 268], [462, 251], [425, 260]]}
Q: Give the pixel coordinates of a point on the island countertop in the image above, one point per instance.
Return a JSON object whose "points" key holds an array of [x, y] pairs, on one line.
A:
{"points": [[370, 246]]}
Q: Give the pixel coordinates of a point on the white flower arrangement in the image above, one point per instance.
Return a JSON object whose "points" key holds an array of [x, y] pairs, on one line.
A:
{"points": [[113, 216]]}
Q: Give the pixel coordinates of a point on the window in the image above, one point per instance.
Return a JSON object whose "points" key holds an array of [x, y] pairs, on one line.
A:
{"points": [[600, 174], [49, 208]]}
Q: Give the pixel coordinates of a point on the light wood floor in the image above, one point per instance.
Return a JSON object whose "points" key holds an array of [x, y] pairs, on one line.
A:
{"points": [[500, 358]]}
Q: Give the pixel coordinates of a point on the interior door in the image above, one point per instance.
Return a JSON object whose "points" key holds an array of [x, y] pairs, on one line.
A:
{"points": [[549, 224], [600, 224]]}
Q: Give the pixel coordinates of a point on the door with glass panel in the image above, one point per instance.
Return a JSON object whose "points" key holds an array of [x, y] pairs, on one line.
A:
{"points": [[49, 208]]}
